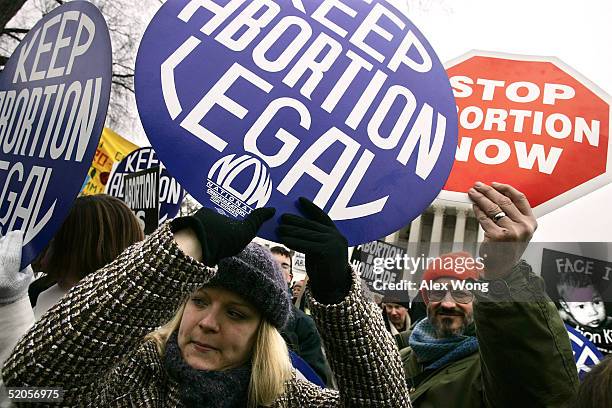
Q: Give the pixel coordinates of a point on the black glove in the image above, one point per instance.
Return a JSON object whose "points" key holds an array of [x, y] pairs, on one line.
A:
{"points": [[221, 236], [325, 248]]}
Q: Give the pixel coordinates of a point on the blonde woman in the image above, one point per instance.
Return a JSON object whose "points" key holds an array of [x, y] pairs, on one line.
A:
{"points": [[190, 317]]}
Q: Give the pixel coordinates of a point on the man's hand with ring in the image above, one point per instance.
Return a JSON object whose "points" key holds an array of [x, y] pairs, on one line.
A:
{"points": [[508, 223]]}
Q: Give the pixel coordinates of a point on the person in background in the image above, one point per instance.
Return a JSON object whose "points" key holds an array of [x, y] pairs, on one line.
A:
{"points": [[507, 349], [16, 315], [97, 229], [190, 317], [283, 257], [418, 309], [296, 290], [301, 301], [301, 333], [398, 314]]}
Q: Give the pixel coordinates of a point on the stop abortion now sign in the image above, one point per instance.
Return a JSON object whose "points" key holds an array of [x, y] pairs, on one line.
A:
{"points": [[256, 103], [532, 122]]}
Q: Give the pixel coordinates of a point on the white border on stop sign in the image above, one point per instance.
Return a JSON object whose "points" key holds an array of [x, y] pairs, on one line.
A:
{"points": [[576, 192]]}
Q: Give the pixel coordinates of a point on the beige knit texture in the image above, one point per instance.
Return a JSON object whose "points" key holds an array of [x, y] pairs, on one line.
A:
{"points": [[90, 343]]}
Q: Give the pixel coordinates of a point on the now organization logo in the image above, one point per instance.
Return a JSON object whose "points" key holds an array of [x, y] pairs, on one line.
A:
{"points": [[237, 185]]}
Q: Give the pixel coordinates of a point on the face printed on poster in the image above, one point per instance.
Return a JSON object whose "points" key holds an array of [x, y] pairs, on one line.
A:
{"points": [[54, 93], [580, 286], [255, 103]]}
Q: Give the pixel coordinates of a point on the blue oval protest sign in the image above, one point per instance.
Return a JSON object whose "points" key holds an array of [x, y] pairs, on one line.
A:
{"points": [[54, 92], [255, 103], [170, 191]]}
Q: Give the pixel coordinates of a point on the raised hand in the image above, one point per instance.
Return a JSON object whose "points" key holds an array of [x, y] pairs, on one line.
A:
{"points": [[325, 248], [508, 223]]}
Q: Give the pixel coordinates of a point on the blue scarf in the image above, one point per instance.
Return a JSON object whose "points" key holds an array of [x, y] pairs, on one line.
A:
{"points": [[436, 353]]}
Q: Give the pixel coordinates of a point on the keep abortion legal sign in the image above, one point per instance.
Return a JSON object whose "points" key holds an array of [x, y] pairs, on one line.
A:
{"points": [[141, 195], [169, 190], [255, 103], [54, 92]]}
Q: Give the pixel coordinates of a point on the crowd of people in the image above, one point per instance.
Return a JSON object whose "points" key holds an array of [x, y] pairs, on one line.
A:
{"points": [[198, 314]]}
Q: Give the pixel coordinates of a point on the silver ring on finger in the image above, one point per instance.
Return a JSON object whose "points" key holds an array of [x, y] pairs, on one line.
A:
{"points": [[499, 216]]}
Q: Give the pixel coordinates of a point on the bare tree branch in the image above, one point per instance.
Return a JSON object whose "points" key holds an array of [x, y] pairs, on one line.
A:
{"points": [[13, 36], [8, 9], [121, 84], [14, 30], [126, 22]]}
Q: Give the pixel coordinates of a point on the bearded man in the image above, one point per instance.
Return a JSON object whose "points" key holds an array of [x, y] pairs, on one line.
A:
{"points": [[503, 345]]}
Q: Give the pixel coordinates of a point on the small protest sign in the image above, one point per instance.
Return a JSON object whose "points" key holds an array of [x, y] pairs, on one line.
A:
{"points": [[170, 191], [112, 148], [54, 92], [581, 287], [299, 263], [254, 104], [532, 122], [376, 264], [141, 194], [586, 354]]}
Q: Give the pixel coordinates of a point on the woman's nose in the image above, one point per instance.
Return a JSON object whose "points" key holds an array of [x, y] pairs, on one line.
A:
{"points": [[210, 321]]}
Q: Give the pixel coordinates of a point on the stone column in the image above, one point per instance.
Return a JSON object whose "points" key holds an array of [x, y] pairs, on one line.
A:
{"points": [[436, 230], [480, 234], [392, 238], [459, 235], [414, 238]]}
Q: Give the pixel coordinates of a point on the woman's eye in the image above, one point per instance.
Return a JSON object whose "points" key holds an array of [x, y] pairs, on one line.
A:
{"points": [[235, 314], [199, 302]]}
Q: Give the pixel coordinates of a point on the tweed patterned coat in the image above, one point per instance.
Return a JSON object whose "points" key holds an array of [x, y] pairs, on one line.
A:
{"points": [[91, 342]]}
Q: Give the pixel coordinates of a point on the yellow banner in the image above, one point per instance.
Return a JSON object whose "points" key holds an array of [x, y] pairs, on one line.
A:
{"points": [[112, 148]]}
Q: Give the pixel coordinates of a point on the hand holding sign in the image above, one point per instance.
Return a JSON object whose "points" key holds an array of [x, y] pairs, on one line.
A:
{"points": [[508, 222], [325, 248], [54, 92], [221, 236]]}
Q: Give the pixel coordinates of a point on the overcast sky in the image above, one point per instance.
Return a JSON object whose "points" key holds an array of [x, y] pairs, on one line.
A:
{"points": [[577, 32]]}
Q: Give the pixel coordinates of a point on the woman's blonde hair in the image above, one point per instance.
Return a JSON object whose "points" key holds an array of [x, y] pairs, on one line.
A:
{"points": [[271, 365]]}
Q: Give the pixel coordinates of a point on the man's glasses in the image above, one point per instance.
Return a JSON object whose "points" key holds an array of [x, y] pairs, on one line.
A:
{"points": [[459, 296]]}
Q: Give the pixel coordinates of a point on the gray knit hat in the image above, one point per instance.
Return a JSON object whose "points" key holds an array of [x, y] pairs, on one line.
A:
{"points": [[13, 282], [254, 275]]}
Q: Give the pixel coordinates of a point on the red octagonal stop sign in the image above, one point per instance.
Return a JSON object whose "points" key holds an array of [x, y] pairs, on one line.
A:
{"points": [[532, 122]]}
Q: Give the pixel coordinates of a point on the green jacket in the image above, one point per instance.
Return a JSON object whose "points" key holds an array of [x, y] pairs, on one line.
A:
{"points": [[524, 358]]}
